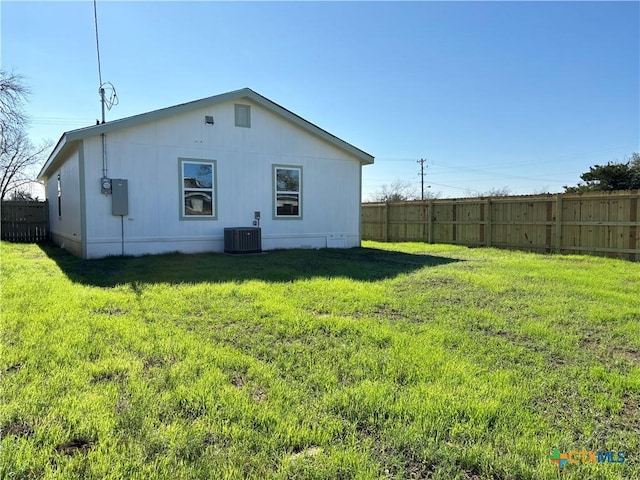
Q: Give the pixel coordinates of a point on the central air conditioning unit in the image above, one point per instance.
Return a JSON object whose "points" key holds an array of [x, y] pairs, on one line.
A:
{"points": [[242, 240]]}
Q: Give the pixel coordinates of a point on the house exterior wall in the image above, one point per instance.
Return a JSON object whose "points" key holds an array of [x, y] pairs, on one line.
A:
{"points": [[148, 157], [65, 221]]}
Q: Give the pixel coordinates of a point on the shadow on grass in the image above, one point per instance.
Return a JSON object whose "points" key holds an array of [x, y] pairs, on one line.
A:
{"points": [[364, 264]]}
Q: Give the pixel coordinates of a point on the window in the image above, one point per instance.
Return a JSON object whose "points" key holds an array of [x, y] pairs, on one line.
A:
{"points": [[243, 115], [287, 191], [59, 197], [197, 189]]}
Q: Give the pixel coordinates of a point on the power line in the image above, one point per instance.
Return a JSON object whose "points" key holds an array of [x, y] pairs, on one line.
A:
{"points": [[449, 186], [393, 159], [61, 121], [95, 19]]}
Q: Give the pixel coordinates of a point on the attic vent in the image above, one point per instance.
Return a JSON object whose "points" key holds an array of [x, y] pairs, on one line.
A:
{"points": [[243, 115], [208, 119], [242, 240]]}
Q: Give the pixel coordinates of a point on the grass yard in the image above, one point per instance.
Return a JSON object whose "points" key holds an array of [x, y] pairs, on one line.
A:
{"points": [[393, 361]]}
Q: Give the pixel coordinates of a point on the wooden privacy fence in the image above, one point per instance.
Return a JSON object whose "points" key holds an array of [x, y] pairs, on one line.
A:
{"points": [[25, 221], [596, 223]]}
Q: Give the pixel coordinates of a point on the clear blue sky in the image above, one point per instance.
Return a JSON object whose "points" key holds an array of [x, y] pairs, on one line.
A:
{"points": [[520, 94]]}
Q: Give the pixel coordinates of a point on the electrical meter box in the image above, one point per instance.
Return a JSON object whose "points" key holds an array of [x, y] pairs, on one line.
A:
{"points": [[119, 197], [105, 186]]}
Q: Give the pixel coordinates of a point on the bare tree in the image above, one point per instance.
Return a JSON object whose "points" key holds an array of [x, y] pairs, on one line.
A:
{"points": [[13, 94], [492, 192], [431, 195], [397, 191], [19, 158], [544, 190], [22, 196]]}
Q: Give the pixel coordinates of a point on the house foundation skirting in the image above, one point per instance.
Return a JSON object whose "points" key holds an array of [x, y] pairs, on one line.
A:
{"points": [[69, 243], [97, 248]]}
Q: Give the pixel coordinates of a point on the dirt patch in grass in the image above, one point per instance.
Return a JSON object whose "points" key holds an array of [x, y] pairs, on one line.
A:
{"points": [[13, 368], [311, 451], [18, 428], [633, 356], [609, 349], [111, 311], [389, 313], [75, 446], [150, 363], [403, 463], [109, 376], [630, 408], [417, 468], [238, 381], [260, 394], [123, 405], [394, 315], [470, 475], [435, 281], [157, 362], [590, 342]]}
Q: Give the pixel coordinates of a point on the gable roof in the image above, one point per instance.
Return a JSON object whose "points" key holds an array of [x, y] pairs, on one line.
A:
{"points": [[244, 93]]}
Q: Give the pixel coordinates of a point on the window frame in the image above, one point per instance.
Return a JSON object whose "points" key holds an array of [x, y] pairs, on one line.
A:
{"points": [[59, 191], [182, 190], [275, 191], [237, 107]]}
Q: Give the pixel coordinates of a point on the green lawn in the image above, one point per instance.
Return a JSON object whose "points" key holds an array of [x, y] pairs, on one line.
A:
{"points": [[392, 361]]}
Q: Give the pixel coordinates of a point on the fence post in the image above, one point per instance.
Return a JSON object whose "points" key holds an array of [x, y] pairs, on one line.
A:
{"points": [[558, 225], [488, 220], [633, 230], [385, 224], [430, 222]]}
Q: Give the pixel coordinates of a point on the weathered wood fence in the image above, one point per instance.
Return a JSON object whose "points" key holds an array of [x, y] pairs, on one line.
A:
{"points": [[24, 221], [595, 223]]}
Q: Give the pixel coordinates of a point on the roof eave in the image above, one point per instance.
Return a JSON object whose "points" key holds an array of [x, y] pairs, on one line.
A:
{"points": [[42, 175]]}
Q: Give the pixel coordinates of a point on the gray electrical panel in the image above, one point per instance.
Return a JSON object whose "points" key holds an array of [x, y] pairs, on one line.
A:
{"points": [[119, 197]]}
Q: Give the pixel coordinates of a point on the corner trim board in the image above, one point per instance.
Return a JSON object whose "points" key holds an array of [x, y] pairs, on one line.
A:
{"points": [[83, 199]]}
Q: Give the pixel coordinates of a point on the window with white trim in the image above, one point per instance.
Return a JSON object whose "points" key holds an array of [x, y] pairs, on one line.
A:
{"points": [[197, 189], [287, 191]]}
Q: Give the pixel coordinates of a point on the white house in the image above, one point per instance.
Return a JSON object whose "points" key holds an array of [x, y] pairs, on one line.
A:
{"points": [[174, 179]]}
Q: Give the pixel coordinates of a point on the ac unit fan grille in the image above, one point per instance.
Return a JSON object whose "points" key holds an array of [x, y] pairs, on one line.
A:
{"points": [[242, 240]]}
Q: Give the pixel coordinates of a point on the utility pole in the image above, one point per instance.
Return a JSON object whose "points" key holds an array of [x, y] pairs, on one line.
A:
{"points": [[422, 161]]}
